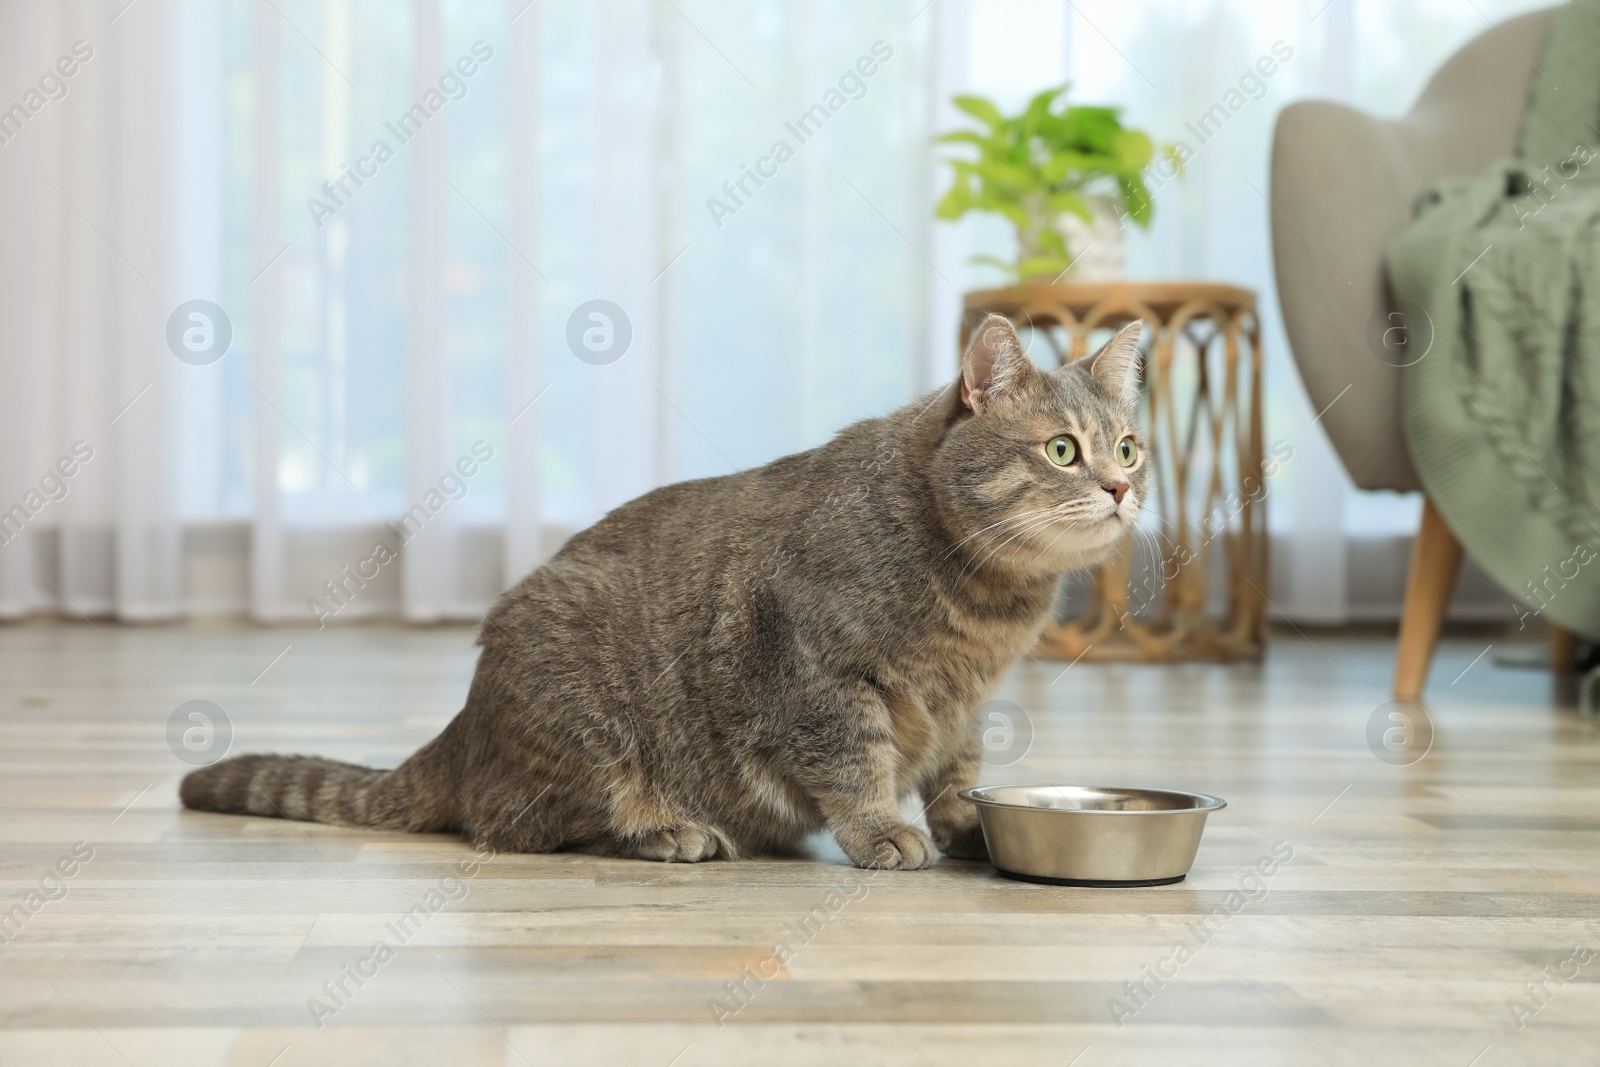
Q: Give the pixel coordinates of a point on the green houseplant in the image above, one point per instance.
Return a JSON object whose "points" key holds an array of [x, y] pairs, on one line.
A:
{"points": [[1061, 175]]}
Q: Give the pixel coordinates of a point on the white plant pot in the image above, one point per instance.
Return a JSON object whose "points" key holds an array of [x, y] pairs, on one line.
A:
{"points": [[1098, 250]]}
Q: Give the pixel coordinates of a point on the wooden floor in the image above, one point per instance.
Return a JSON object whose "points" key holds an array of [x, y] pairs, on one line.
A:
{"points": [[1419, 903]]}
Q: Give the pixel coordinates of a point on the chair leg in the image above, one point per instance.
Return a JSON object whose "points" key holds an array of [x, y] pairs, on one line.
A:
{"points": [[1563, 649], [1435, 561]]}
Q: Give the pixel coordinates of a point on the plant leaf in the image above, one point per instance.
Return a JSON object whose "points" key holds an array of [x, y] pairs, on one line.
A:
{"points": [[955, 203], [1019, 177], [980, 109], [964, 137], [1133, 150], [1137, 199], [1092, 128], [1005, 267], [1036, 115]]}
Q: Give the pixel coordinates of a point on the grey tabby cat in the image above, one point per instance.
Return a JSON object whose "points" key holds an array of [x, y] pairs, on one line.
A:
{"points": [[724, 666]]}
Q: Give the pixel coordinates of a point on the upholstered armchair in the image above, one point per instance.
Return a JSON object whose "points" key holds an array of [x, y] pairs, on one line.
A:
{"points": [[1342, 185]]}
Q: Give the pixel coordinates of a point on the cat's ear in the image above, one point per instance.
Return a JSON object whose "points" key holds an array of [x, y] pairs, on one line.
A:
{"points": [[994, 364], [1116, 366]]}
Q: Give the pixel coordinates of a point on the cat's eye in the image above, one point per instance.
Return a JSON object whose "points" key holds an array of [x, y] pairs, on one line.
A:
{"points": [[1127, 452], [1063, 451]]}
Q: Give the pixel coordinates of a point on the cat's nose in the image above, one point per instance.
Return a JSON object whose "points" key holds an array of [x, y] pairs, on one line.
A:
{"points": [[1116, 489]]}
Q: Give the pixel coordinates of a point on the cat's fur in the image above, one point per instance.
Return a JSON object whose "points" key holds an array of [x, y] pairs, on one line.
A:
{"points": [[721, 667]]}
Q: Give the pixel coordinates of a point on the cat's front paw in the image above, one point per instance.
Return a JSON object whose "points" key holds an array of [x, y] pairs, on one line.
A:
{"points": [[961, 842], [904, 848]]}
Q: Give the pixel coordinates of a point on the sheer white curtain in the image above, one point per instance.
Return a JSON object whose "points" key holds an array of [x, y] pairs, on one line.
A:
{"points": [[418, 401], [406, 419], [93, 179]]}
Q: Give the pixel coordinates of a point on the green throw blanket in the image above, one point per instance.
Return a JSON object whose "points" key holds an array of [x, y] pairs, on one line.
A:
{"points": [[1498, 280]]}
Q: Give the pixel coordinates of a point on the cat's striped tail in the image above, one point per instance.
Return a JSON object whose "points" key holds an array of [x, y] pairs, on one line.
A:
{"points": [[413, 796]]}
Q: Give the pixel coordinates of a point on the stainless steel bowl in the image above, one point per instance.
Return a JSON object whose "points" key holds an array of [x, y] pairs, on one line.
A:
{"points": [[1092, 835]]}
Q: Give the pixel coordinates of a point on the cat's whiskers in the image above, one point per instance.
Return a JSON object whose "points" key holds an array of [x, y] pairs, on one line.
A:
{"points": [[1161, 558], [1075, 514], [1011, 525], [1059, 513], [1039, 522], [1018, 523], [1165, 547], [1148, 538], [1070, 525], [1149, 508], [992, 525]]}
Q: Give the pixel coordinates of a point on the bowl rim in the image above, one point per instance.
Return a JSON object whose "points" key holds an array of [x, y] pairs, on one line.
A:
{"points": [[1204, 802]]}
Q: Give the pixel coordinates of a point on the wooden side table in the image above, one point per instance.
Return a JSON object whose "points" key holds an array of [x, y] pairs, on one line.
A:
{"points": [[1196, 588]]}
